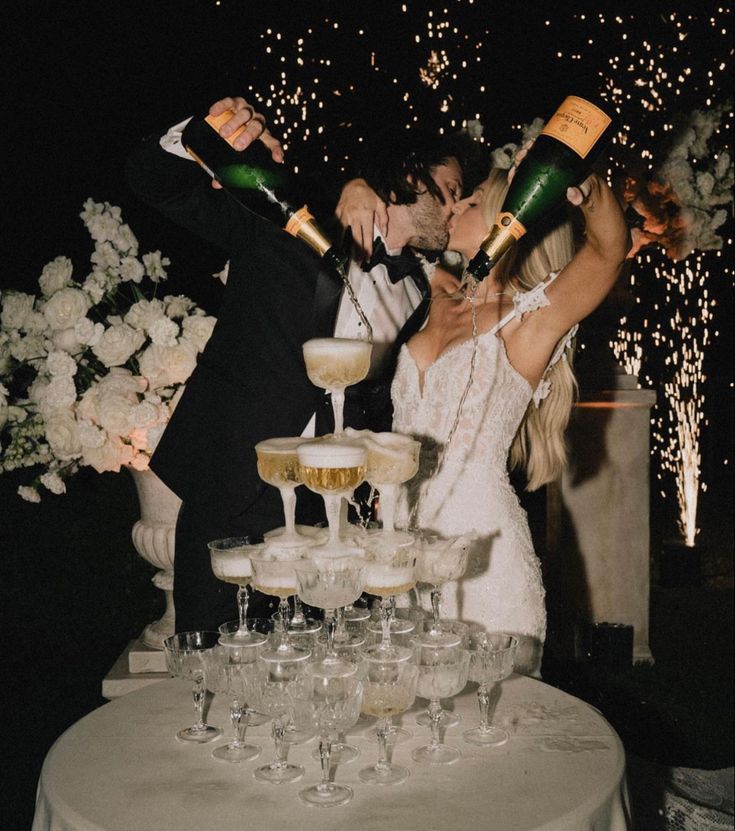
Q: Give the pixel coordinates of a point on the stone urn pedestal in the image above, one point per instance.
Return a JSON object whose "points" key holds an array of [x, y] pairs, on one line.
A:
{"points": [[153, 537]]}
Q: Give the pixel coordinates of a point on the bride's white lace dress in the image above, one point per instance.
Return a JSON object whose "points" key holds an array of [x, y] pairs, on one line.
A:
{"points": [[470, 491]]}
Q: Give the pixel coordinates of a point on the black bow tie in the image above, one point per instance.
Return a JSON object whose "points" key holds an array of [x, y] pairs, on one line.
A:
{"points": [[398, 265]]}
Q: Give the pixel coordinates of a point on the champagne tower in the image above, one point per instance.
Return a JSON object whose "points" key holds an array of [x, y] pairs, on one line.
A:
{"points": [[257, 182], [561, 157]]}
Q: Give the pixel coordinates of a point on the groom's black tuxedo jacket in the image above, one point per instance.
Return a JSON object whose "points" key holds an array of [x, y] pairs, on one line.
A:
{"points": [[250, 383]]}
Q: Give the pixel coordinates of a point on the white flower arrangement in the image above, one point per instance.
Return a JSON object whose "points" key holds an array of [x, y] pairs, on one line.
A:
{"points": [[91, 370]]}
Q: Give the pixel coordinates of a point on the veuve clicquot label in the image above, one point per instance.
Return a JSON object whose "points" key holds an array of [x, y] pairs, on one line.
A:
{"points": [[559, 159]]}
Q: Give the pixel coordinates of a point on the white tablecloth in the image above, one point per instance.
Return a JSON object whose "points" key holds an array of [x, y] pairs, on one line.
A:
{"points": [[120, 768]]}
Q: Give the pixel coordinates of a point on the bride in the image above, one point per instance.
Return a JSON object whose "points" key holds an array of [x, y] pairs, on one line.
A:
{"points": [[512, 335]]}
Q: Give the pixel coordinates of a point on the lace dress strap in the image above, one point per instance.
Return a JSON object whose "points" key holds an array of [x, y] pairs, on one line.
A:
{"points": [[529, 301]]}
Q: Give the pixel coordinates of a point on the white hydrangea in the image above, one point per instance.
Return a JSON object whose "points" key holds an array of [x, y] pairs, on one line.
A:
{"points": [[88, 333], [59, 394], [53, 482], [106, 257], [178, 306], [90, 435], [28, 349], [35, 323], [131, 270]]}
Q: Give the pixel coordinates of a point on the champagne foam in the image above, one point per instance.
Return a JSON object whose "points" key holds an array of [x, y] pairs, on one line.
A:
{"points": [[331, 454]]}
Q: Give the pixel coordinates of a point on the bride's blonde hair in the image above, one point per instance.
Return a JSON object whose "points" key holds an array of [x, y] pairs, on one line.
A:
{"points": [[539, 445]]}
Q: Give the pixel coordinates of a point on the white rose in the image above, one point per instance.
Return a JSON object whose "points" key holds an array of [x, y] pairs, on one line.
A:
{"points": [[89, 434], [177, 306], [53, 482], [145, 414], [198, 329], [66, 308], [88, 333], [16, 307], [144, 313], [115, 413], [131, 269], [58, 395], [110, 456], [121, 381], [167, 365], [117, 344], [60, 363], [62, 434], [164, 332], [55, 275]]}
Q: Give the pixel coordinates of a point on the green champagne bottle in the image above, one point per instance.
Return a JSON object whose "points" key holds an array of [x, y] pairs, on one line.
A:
{"points": [[560, 158], [257, 182]]}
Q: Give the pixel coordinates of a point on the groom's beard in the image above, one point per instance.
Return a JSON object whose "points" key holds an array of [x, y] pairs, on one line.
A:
{"points": [[430, 224]]}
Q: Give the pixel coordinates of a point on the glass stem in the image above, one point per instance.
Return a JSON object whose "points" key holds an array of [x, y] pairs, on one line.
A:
{"points": [[288, 497], [332, 505], [198, 693], [483, 698], [298, 618], [279, 739], [382, 734], [385, 615], [340, 630], [325, 754], [436, 598], [330, 622], [435, 714], [338, 408], [239, 724], [242, 606], [284, 612], [388, 494]]}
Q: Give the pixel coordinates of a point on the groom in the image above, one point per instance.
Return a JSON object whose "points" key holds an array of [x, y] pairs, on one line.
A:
{"points": [[250, 383]]}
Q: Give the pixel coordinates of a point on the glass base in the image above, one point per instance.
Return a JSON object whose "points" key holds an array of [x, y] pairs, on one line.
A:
{"points": [[305, 535], [384, 775], [235, 753], [440, 754], [342, 754], [382, 539], [447, 719], [326, 796], [277, 774], [199, 735], [487, 737]]}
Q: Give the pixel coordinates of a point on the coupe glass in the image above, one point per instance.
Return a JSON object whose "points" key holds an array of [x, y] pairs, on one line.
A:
{"points": [[261, 627], [334, 364], [392, 460], [329, 583], [331, 703], [277, 682], [227, 670], [390, 688], [230, 558], [277, 578], [278, 465], [333, 468], [390, 571], [438, 561], [443, 667], [491, 660], [184, 659], [449, 631]]}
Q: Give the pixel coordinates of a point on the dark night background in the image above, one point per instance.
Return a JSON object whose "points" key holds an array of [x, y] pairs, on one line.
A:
{"points": [[84, 82]]}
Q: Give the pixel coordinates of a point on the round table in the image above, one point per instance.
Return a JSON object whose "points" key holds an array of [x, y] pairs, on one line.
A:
{"points": [[120, 768]]}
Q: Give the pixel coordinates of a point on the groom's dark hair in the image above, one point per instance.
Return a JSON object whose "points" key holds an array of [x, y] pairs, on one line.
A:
{"points": [[400, 163]]}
